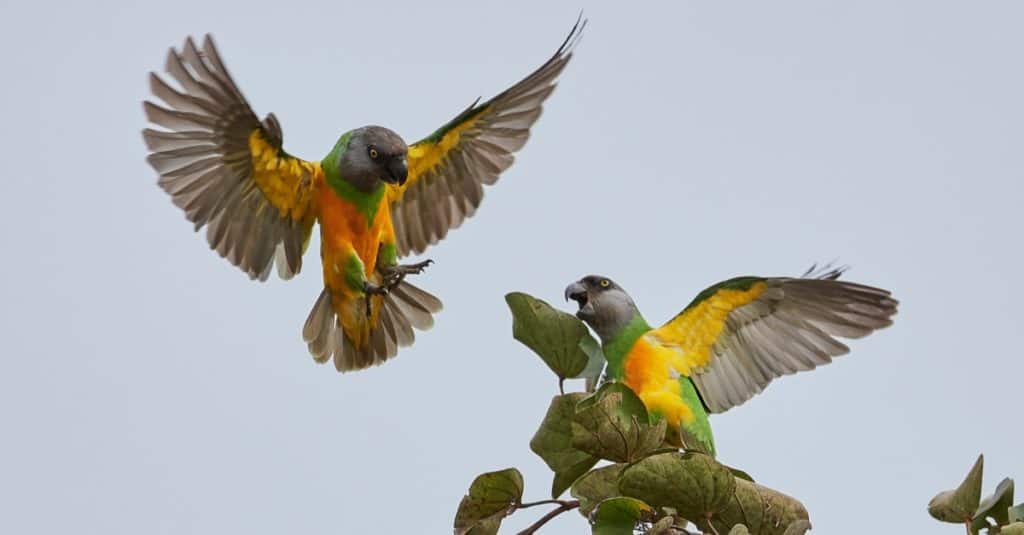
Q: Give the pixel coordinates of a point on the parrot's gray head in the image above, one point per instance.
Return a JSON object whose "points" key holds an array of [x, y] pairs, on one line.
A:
{"points": [[373, 155], [603, 305]]}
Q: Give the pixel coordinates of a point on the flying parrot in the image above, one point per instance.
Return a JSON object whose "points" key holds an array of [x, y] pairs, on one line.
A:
{"points": [[376, 198], [728, 343]]}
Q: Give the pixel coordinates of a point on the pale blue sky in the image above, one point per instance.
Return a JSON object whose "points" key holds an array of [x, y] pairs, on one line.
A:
{"points": [[149, 387]]}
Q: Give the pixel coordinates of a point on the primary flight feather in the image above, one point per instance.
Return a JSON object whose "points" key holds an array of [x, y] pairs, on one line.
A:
{"points": [[376, 198]]}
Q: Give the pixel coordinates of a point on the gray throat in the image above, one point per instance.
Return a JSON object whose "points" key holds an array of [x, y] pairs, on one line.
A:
{"points": [[610, 323]]}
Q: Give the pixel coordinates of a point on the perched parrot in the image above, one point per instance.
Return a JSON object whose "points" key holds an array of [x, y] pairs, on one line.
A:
{"points": [[376, 199], [728, 343]]}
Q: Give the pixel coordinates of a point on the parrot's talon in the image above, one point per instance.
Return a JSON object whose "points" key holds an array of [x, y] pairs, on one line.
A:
{"points": [[373, 289], [394, 275]]}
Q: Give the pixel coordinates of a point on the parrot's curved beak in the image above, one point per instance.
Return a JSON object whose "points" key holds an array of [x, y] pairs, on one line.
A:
{"points": [[397, 171], [578, 292]]}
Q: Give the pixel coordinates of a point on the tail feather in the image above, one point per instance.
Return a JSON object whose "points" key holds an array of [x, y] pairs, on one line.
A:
{"points": [[404, 335], [405, 308], [318, 332], [418, 306]]}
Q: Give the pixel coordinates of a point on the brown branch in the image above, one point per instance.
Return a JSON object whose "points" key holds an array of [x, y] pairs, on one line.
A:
{"points": [[542, 502], [563, 507]]}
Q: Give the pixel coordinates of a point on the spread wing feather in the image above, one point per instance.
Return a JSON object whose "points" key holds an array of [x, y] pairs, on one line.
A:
{"points": [[449, 168], [225, 168], [739, 335]]}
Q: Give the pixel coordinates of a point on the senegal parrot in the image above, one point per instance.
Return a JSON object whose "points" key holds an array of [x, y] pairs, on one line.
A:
{"points": [[729, 342], [376, 198]]}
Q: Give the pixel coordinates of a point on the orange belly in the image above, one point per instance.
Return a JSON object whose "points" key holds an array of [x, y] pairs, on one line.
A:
{"points": [[344, 230]]}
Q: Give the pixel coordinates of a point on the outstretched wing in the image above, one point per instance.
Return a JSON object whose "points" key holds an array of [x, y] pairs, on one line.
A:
{"points": [[227, 170], [738, 335], [448, 169]]}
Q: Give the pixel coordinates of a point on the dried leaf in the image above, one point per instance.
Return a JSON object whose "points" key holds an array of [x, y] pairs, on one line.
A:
{"points": [[1016, 513], [1017, 528], [662, 527]]}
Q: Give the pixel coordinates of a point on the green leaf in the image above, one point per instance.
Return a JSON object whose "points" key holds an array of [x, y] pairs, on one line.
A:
{"points": [[762, 510], [996, 506], [631, 404], [618, 516], [595, 362], [596, 486], [1016, 513], [488, 526], [491, 497], [613, 424], [745, 507], [1017, 528], [739, 529], [693, 484], [740, 474], [781, 511], [798, 527], [553, 443], [958, 505], [552, 334]]}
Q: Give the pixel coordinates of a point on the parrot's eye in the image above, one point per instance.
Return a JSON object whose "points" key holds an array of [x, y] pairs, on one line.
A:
{"points": [[373, 153], [605, 283]]}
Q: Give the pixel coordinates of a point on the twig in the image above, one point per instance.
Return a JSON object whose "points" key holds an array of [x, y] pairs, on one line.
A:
{"points": [[543, 502], [563, 507]]}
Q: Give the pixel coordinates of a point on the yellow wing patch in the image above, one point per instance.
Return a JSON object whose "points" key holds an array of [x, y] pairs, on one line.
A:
{"points": [[285, 181], [431, 152], [694, 332]]}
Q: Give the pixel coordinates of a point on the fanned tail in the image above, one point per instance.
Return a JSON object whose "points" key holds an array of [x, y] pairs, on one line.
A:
{"points": [[405, 308]]}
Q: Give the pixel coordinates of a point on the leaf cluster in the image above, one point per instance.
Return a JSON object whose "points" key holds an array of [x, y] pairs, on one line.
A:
{"points": [[996, 514], [611, 455]]}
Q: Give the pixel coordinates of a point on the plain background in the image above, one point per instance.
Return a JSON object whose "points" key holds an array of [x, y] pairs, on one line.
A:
{"points": [[149, 387]]}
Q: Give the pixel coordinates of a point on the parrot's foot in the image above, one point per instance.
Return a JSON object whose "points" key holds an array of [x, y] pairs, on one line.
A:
{"points": [[394, 275], [372, 289]]}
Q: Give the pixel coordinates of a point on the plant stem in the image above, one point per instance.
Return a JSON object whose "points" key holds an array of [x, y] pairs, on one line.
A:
{"points": [[542, 502], [563, 507]]}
